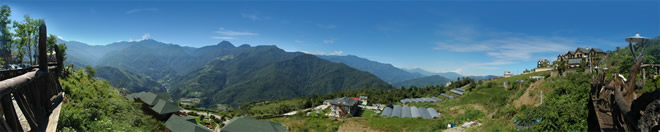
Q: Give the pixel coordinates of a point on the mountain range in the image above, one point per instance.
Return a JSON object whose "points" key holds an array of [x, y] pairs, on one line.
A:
{"points": [[222, 73], [387, 72], [226, 74], [395, 76], [423, 81], [128, 81]]}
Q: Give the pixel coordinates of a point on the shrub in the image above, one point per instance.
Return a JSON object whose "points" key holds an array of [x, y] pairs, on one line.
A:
{"points": [[96, 106]]}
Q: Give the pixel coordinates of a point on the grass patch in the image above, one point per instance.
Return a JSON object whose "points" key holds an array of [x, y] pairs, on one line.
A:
{"points": [[308, 124], [405, 124], [368, 113]]}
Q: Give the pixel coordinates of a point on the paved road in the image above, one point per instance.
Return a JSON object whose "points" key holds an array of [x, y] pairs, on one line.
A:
{"points": [[204, 113], [320, 107]]}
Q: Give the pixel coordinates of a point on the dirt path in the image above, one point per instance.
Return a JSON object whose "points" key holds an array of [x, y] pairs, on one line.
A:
{"points": [[526, 99], [356, 124]]}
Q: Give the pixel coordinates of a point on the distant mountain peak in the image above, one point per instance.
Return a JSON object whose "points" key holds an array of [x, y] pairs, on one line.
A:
{"points": [[244, 46], [226, 44]]}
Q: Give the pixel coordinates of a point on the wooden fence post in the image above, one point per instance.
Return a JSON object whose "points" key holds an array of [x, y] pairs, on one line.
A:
{"points": [[43, 57], [10, 113], [60, 61]]}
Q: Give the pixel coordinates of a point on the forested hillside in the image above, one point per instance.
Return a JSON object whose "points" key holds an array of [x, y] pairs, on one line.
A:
{"points": [[387, 72], [268, 74], [94, 105], [221, 73], [129, 81]]}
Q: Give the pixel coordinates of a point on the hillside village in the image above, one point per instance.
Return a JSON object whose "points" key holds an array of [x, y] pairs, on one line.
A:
{"points": [[323, 73], [506, 102]]}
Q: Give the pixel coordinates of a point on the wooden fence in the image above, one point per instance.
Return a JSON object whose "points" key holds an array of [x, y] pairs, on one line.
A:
{"points": [[28, 96]]}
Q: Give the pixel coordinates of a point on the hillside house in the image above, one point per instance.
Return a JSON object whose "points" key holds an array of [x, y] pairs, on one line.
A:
{"points": [[543, 63], [184, 124], [249, 124], [363, 100], [574, 62], [342, 107], [158, 105], [588, 55], [595, 55], [507, 74]]}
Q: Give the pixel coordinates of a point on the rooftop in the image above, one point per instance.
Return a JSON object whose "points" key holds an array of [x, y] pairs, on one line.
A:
{"points": [[342, 101], [249, 124], [182, 124]]}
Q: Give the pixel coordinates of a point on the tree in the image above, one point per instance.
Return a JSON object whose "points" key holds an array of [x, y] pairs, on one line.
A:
{"points": [[582, 67], [62, 48], [5, 39], [91, 72], [561, 67], [27, 33], [51, 42]]}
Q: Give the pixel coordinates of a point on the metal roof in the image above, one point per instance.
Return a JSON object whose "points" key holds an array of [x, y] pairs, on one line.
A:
{"points": [[460, 89], [387, 112], [433, 113], [574, 61], [249, 124], [424, 113], [150, 98], [582, 50], [410, 100], [161, 103], [405, 112], [396, 111], [447, 95], [414, 112], [179, 124], [164, 107], [456, 92], [342, 101]]}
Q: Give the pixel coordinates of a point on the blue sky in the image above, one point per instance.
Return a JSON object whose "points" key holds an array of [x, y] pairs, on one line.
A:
{"points": [[471, 38]]}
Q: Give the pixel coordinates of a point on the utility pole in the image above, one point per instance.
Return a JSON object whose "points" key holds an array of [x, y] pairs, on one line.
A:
{"points": [[541, 97]]}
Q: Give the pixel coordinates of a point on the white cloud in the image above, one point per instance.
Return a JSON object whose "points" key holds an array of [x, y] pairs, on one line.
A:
{"points": [[326, 26], [459, 70], [230, 34], [145, 36], [324, 53], [328, 41], [224, 38], [224, 31], [504, 48], [510, 48], [132, 11], [254, 16], [60, 37]]}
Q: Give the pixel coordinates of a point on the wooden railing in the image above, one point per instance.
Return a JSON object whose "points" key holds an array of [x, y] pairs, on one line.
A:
{"points": [[28, 96]]}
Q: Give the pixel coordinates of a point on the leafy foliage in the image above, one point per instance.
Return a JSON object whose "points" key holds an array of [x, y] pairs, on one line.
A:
{"points": [[94, 105], [565, 109]]}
